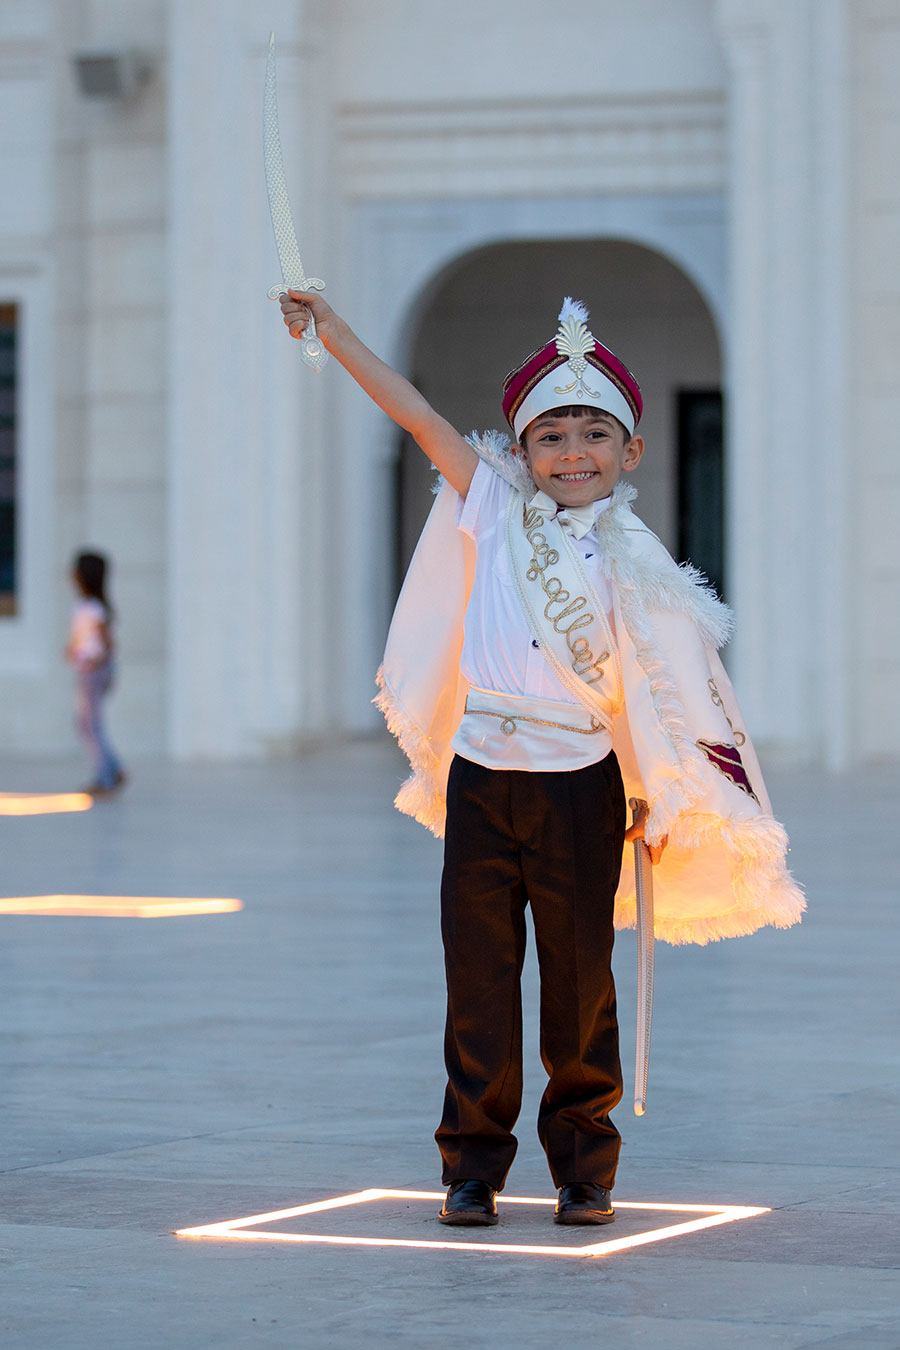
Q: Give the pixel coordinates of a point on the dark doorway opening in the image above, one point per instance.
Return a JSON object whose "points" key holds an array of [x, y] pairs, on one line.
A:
{"points": [[8, 525], [701, 484]]}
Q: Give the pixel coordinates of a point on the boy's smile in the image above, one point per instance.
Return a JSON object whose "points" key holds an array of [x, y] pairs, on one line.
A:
{"points": [[576, 460]]}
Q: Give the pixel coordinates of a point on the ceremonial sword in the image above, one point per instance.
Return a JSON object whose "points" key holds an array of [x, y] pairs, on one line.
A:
{"points": [[312, 349], [643, 889]]}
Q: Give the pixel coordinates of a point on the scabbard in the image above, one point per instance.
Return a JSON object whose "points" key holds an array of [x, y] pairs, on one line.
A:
{"points": [[643, 885]]}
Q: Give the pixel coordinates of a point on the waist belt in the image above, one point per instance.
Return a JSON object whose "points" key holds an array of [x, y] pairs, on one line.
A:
{"points": [[512, 709], [509, 731]]}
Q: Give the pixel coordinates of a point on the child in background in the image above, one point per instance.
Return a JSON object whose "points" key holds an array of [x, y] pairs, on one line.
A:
{"points": [[90, 650]]}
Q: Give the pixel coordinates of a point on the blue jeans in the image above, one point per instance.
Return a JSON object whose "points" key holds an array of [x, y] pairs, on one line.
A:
{"points": [[92, 687]]}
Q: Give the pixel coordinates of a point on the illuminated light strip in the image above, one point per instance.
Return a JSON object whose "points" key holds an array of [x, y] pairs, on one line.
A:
{"points": [[116, 906], [43, 804], [241, 1230]]}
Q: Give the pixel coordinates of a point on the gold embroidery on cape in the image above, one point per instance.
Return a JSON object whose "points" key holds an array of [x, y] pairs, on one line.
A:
{"points": [[739, 737], [543, 556]]}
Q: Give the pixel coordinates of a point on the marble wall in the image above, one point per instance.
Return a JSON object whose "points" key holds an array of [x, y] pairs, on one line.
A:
{"points": [[83, 229], [248, 504]]}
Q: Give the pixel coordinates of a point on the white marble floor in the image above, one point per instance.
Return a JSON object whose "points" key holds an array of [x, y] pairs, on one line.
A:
{"points": [[164, 1073]]}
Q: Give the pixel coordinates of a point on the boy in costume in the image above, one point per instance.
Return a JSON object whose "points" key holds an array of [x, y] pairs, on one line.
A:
{"points": [[545, 647]]}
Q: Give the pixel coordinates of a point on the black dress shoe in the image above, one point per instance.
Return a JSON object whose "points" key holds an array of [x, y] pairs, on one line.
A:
{"points": [[470, 1204], [583, 1202]]}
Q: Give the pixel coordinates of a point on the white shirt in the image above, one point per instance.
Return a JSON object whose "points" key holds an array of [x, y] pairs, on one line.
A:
{"points": [[498, 650]]}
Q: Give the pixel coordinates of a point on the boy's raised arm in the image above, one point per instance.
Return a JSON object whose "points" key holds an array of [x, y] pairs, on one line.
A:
{"points": [[448, 451]]}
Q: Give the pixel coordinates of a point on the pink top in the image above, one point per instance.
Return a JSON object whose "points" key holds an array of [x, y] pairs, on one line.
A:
{"points": [[87, 643]]}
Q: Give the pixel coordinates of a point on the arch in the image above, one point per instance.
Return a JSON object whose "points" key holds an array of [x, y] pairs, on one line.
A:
{"points": [[709, 282], [474, 319], [399, 254], [404, 247]]}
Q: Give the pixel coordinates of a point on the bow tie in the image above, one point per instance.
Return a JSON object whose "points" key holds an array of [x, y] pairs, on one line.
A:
{"points": [[575, 520]]}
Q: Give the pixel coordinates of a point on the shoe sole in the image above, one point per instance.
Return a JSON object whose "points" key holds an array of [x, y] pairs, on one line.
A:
{"points": [[583, 1216], [469, 1218]]}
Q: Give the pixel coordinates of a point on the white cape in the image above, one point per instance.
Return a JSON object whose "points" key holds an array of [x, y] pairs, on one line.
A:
{"points": [[680, 740]]}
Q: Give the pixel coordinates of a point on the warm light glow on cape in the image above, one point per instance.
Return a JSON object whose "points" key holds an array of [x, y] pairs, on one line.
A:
{"points": [[705, 1216]]}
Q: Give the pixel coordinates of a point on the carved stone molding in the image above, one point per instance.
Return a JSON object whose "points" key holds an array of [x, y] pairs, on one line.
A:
{"points": [[653, 143]]}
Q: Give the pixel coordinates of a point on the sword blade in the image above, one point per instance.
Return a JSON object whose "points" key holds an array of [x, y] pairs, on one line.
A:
{"points": [[293, 275], [643, 885]]}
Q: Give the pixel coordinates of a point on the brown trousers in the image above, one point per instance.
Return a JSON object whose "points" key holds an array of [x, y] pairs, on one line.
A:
{"points": [[554, 841]]}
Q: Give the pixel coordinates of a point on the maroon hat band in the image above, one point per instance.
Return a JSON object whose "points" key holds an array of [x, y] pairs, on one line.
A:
{"points": [[572, 369]]}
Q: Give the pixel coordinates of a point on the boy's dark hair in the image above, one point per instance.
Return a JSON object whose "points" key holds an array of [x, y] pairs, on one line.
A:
{"points": [[577, 410], [89, 569]]}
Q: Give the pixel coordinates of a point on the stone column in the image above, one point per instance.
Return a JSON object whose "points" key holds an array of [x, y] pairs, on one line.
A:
{"points": [[785, 374], [830, 473], [248, 518], [874, 398]]}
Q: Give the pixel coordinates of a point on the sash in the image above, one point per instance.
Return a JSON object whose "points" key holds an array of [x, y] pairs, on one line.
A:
{"points": [[566, 616]]}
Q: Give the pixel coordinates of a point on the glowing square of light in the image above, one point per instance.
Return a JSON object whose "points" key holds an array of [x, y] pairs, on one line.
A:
{"points": [[116, 906], [696, 1218], [43, 803]]}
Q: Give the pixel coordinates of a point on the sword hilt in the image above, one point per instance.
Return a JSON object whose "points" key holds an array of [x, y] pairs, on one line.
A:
{"points": [[312, 348], [307, 284], [640, 809]]}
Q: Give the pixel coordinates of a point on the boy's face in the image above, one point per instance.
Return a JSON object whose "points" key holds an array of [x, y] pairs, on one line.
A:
{"points": [[576, 460]]}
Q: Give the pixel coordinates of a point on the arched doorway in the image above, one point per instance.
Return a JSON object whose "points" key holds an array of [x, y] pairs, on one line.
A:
{"points": [[496, 304]]}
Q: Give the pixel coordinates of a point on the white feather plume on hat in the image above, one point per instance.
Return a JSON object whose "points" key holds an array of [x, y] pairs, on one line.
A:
{"points": [[573, 309], [573, 339]]}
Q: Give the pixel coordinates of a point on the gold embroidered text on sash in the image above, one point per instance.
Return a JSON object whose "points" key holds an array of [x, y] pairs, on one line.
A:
{"points": [[559, 599]]}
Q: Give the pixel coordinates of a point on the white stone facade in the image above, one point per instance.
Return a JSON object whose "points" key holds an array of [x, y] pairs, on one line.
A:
{"points": [[248, 504]]}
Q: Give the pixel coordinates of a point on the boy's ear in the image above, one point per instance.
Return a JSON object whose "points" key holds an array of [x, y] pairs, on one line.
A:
{"points": [[518, 449], [633, 451]]}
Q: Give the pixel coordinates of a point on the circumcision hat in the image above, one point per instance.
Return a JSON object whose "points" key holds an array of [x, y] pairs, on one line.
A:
{"points": [[572, 369]]}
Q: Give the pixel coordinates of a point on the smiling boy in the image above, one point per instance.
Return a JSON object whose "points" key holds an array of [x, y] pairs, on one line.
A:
{"points": [[576, 454], [541, 623]]}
